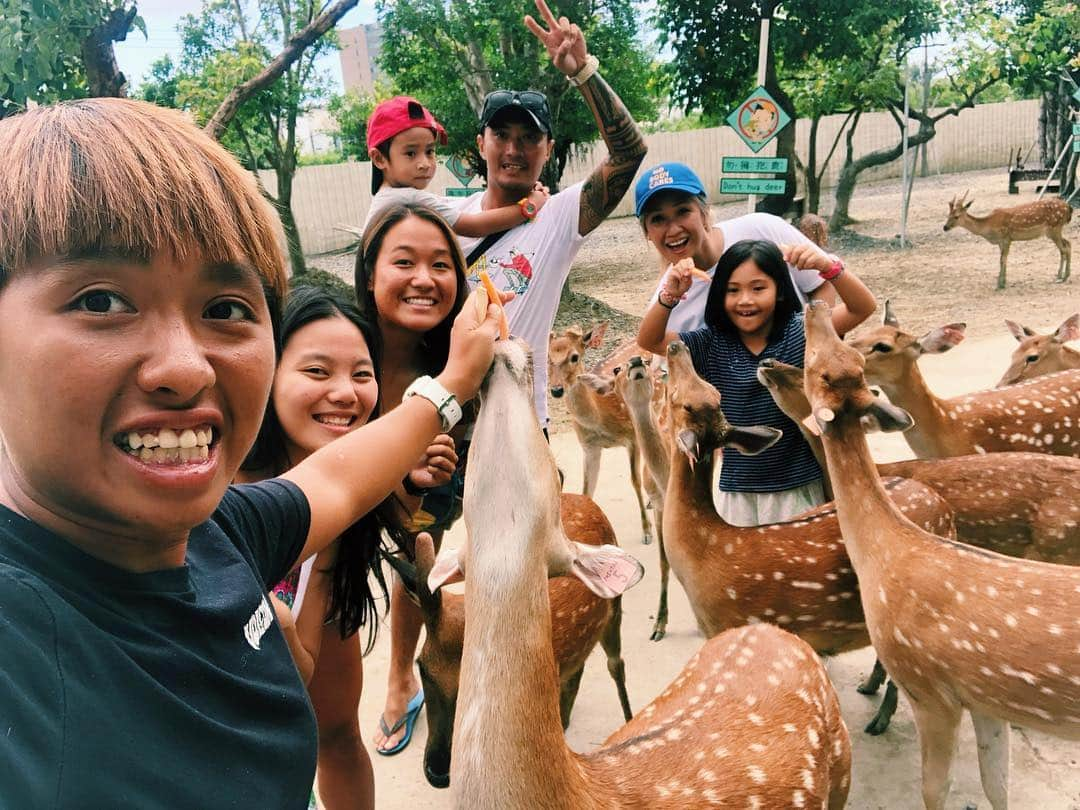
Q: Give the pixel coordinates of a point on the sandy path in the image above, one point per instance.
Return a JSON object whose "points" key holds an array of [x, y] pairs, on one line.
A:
{"points": [[886, 770]]}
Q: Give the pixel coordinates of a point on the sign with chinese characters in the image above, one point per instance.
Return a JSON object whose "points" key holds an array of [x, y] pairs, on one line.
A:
{"points": [[777, 165], [464, 191], [758, 119], [751, 185]]}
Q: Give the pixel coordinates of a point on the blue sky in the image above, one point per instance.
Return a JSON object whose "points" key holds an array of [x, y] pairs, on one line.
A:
{"points": [[137, 54]]}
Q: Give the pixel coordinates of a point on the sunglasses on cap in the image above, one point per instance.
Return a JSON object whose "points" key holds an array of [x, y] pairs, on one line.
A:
{"points": [[532, 101]]}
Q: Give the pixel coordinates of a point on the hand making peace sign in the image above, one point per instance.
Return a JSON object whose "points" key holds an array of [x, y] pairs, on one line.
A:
{"points": [[563, 39]]}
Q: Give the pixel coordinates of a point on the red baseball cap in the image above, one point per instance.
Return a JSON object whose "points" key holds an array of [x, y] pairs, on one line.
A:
{"points": [[394, 116]]}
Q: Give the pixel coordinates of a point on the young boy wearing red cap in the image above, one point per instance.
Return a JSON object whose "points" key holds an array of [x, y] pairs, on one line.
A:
{"points": [[401, 136]]}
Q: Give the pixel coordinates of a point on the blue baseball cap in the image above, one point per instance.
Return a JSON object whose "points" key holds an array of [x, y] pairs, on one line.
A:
{"points": [[665, 177]]}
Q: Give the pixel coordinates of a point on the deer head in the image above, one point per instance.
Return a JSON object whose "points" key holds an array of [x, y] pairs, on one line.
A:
{"points": [[697, 425], [835, 385], [890, 352], [566, 355], [958, 209], [1038, 354]]}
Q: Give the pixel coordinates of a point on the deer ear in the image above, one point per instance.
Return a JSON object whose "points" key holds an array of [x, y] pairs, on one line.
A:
{"points": [[1069, 330], [447, 570], [752, 440], [595, 336], [889, 318], [598, 384], [1019, 332], [886, 417], [406, 572], [942, 339], [606, 570], [968, 204]]}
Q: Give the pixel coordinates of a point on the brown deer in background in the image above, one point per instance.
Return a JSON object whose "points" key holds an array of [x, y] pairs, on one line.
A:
{"points": [[579, 619], [758, 696], [597, 412], [1042, 354], [1003, 226], [1040, 415], [957, 627]]}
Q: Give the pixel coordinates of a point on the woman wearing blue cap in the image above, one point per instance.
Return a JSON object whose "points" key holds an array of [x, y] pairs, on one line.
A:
{"points": [[748, 311], [670, 203]]}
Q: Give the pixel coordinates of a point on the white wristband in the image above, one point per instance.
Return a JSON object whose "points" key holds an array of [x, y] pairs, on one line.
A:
{"points": [[592, 64], [433, 391]]}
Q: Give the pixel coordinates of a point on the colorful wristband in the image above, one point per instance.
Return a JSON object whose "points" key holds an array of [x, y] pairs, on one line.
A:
{"points": [[835, 269], [528, 209]]}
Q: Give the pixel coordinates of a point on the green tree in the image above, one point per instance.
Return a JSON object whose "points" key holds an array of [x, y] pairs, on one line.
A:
{"points": [[350, 112], [159, 86], [450, 53], [230, 44]]}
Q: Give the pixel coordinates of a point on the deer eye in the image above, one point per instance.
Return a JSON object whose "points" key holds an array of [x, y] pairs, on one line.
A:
{"points": [[1031, 358], [884, 348], [573, 358]]}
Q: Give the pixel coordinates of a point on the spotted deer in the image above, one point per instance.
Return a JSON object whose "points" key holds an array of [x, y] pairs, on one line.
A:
{"points": [[750, 721], [1042, 354], [598, 414], [579, 619], [795, 574], [635, 384], [957, 627], [1020, 504], [1003, 226], [1040, 415]]}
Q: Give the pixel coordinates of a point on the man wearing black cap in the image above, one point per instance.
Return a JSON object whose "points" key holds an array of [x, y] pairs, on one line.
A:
{"points": [[515, 141]]}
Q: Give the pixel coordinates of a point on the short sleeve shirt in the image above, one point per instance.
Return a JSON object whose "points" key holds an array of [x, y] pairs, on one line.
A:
{"points": [[690, 313], [533, 260], [723, 361], [165, 689], [387, 196]]}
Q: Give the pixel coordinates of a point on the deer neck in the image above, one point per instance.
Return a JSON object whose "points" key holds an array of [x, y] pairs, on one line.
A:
{"points": [[980, 226], [863, 507], [912, 394], [508, 705], [691, 486], [652, 445]]}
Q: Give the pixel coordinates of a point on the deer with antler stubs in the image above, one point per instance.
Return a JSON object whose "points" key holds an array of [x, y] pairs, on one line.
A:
{"points": [[1021, 504], [751, 721], [1003, 226], [1042, 354], [598, 414], [1041, 415], [796, 573], [579, 619], [957, 627]]}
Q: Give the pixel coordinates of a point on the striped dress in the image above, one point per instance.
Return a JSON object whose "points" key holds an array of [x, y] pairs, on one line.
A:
{"points": [[722, 360]]}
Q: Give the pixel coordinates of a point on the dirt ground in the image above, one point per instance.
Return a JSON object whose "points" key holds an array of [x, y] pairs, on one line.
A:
{"points": [[943, 277]]}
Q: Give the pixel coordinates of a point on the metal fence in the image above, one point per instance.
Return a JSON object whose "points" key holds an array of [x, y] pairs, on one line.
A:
{"points": [[979, 138]]}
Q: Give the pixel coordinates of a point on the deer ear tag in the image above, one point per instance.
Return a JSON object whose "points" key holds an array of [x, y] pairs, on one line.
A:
{"points": [[606, 570]]}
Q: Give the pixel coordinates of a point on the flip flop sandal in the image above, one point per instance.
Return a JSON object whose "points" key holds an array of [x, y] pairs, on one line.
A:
{"points": [[408, 720]]}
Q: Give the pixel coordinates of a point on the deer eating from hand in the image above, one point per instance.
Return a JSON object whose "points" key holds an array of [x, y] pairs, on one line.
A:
{"points": [[957, 627], [1003, 226]]}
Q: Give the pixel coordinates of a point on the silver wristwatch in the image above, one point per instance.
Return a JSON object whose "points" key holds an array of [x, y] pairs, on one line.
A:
{"points": [[445, 402]]}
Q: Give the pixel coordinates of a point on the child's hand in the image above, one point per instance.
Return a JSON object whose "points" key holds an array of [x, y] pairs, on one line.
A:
{"points": [[677, 279], [807, 257], [472, 347], [539, 195], [437, 465], [563, 39]]}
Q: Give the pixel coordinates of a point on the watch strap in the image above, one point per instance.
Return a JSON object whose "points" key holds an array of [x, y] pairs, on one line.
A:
{"points": [[434, 392]]}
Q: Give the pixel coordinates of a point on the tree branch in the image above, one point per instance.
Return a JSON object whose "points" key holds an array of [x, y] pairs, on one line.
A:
{"points": [[103, 75], [292, 51]]}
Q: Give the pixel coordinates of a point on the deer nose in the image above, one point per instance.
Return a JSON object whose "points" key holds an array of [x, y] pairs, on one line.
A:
{"points": [[944, 227], [557, 391]]}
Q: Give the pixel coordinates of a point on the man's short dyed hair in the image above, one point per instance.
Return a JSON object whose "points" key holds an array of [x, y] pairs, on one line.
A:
{"points": [[108, 175]]}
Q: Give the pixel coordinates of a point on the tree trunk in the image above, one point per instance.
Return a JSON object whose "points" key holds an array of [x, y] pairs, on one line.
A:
{"points": [[813, 182], [285, 173], [103, 76], [845, 183]]}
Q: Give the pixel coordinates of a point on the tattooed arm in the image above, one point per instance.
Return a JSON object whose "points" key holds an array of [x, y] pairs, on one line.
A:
{"points": [[626, 146], [626, 149]]}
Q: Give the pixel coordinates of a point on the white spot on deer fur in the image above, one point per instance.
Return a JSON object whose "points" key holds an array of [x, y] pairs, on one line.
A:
{"points": [[1055, 630], [789, 728], [900, 637], [1026, 677], [807, 779], [756, 719], [757, 748], [798, 799], [1010, 620], [756, 774], [1031, 610], [778, 575], [812, 735], [754, 803]]}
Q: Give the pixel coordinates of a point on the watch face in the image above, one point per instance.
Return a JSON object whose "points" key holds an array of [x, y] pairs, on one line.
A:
{"points": [[530, 208]]}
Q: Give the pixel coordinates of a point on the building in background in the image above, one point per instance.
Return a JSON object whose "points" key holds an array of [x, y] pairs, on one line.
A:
{"points": [[360, 48]]}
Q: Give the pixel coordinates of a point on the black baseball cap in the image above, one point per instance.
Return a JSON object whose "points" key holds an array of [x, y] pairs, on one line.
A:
{"points": [[532, 102]]}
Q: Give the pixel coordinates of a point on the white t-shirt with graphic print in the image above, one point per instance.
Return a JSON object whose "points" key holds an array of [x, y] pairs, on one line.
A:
{"points": [[689, 315], [533, 260]]}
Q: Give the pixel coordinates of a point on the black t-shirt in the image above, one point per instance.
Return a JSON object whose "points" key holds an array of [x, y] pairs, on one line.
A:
{"points": [[168, 689]]}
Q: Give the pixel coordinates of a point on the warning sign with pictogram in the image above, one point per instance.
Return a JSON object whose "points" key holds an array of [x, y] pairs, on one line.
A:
{"points": [[758, 119]]}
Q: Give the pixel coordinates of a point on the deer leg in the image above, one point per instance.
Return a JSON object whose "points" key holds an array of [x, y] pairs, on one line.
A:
{"points": [[885, 711], [1001, 270], [635, 480], [992, 736], [567, 695], [1065, 249], [591, 465], [660, 628], [873, 681], [611, 642], [939, 730]]}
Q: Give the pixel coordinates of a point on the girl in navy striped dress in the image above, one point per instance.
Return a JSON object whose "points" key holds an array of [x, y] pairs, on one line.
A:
{"points": [[752, 313]]}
